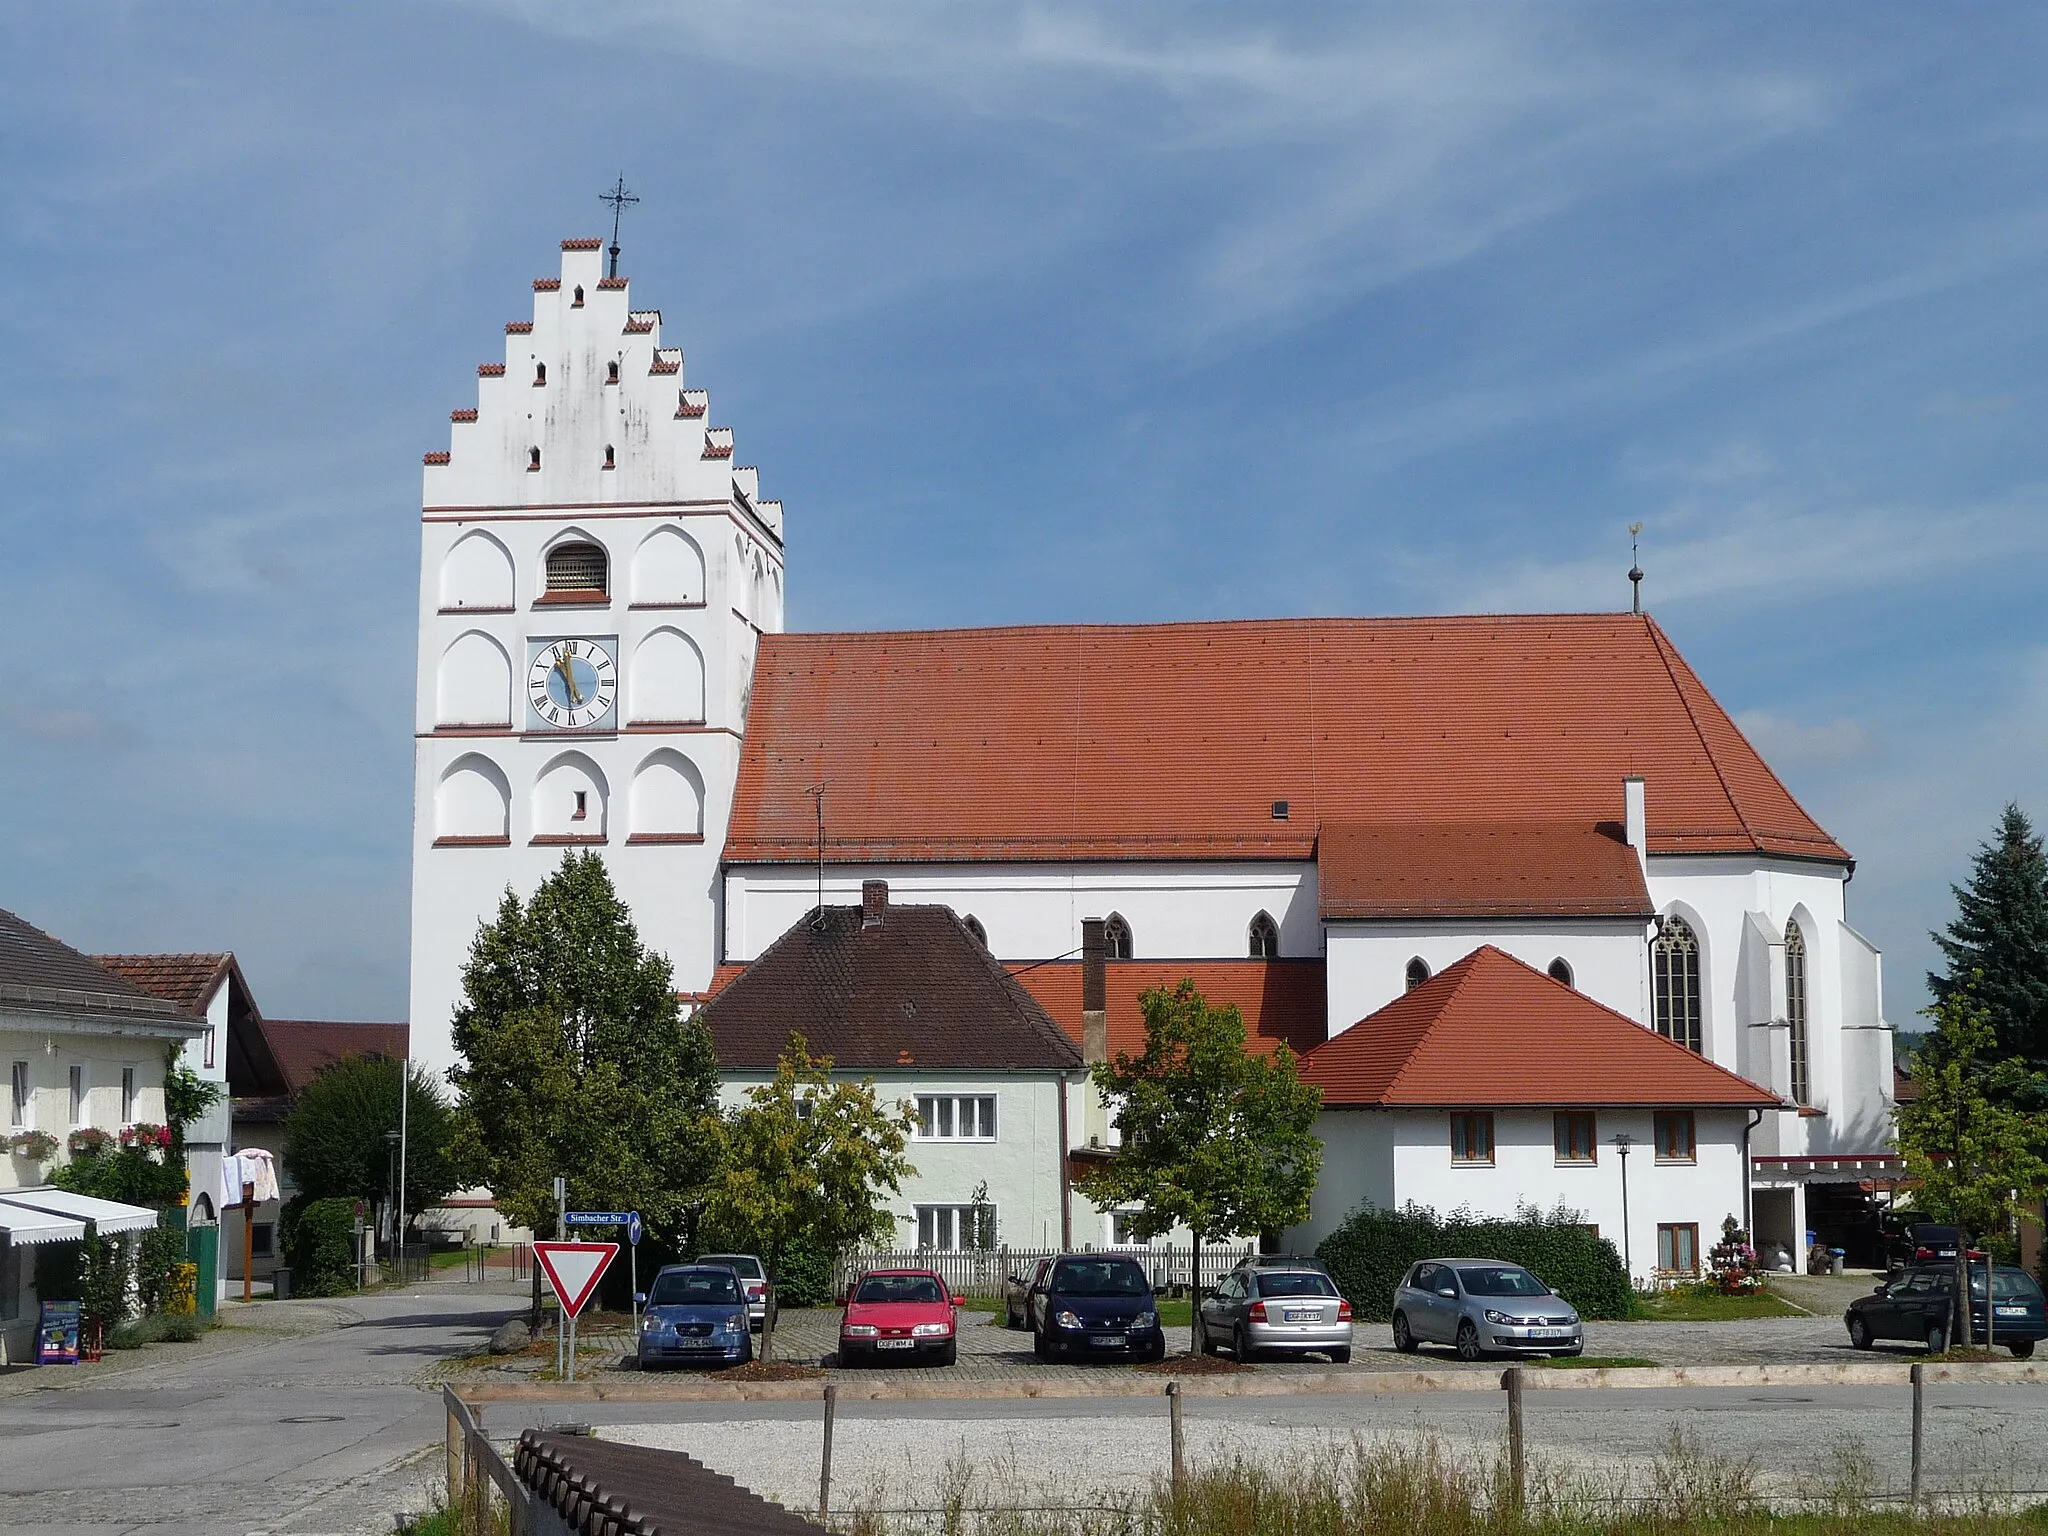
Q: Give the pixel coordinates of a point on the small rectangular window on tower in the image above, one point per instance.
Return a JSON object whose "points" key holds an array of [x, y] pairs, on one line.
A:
{"points": [[582, 810]]}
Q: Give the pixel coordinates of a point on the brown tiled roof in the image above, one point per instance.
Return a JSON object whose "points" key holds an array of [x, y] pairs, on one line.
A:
{"points": [[303, 1046], [186, 980], [1281, 1000], [916, 990], [40, 974], [1173, 741], [1491, 1031], [1501, 869]]}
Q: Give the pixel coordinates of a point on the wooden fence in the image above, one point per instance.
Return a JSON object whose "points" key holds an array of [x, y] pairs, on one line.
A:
{"points": [[982, 1271]]}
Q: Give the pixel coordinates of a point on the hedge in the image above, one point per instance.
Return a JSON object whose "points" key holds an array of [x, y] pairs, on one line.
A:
{"points": [[319, 1245], [1368, 1255]]}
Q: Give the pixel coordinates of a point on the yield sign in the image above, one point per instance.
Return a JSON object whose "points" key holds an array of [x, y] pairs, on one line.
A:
{"points": [[573, 1270]]}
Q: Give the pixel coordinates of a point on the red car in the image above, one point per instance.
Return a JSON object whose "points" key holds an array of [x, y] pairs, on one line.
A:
{"points": [[903, 1314]]}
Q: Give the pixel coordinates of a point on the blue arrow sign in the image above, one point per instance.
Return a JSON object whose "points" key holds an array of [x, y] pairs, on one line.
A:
{"points": [[633, 1229], [596, 1218]]}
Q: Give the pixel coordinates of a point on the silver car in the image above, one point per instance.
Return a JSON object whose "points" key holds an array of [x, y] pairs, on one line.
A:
{"points": [[1263, 1307], [754, 1281], [1482, 1306]]}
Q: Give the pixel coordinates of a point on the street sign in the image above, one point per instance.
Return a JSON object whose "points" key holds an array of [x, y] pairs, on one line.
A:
{"points": [[596, 1218], [573, 1270], [633, 1229]]}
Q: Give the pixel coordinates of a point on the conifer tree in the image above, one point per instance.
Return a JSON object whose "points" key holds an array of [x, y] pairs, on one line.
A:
{"points": [[1997, 946]]}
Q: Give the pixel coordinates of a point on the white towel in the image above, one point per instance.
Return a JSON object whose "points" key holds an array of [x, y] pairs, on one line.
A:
{"points": [[260, 1168]]}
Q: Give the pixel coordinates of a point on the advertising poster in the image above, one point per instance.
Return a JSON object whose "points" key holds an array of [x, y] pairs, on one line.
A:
{"points": [[57, 1333]]}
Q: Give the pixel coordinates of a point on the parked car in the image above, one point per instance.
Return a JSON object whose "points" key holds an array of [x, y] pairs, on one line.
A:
{"points": [[754, 1277], [1482, 1306], [1920, 1305], [905, 1314], [1019, 1291], [1921, 1242], [696, 1313], [1264, 1305], [1097, 1304]]}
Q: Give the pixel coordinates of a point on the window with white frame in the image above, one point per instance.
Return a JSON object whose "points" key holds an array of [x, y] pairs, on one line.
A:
{"points": [[209, 1047], [956, 1117], [17, 1096], [127, 1095], [955, 1228], [77, 1094], [1123, 1230]]}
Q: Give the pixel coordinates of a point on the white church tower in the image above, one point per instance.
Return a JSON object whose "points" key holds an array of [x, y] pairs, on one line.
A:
{"points": [[595, 573]]}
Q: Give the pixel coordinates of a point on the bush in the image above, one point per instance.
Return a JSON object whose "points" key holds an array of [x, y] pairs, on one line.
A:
{"points": [[805, 1279], [155, 1328], [157, 1258], [319, 1244], [1372, 1250], [103, 1285]]}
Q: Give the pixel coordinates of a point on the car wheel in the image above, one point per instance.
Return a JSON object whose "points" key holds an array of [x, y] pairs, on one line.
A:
{"points": [[1859, 1333], [1241, 1349], [950, 1354], [1341, 1356], [2024, 1350], [1468, 1343], [747, 1354], [1157, 1351], [1039, 1345], [1404, 1337], [1937, 1338]]}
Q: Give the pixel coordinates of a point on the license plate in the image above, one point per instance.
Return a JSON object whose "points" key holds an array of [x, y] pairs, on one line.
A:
{"points": [[2012, 1311], [895, 1343], [1106, 1340], [1303, 1316], [1550, 1333]]}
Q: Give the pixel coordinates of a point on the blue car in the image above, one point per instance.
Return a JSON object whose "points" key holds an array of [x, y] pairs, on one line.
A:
{"points": [[1096, 1304], [696, 1314]]}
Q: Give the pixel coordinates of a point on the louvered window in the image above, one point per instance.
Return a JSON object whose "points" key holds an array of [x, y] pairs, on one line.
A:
{"points": [[577, 568]]}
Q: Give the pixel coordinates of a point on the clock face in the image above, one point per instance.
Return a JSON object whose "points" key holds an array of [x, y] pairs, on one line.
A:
{"points": [[572, 683]]}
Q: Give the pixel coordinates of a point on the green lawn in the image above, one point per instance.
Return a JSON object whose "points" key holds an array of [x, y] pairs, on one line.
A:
{"points": [[1593, 1362], [1689, 1306]]}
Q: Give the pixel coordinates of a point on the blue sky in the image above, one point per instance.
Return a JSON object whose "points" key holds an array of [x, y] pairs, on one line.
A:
{"points": [[1049, 312]]}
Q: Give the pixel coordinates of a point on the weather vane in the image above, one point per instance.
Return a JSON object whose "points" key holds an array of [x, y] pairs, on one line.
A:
{"points": [[1635, 570], [620, 200]]}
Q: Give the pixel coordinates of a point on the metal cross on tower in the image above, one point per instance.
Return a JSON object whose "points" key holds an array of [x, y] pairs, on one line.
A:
{"points": [[620, 200]]}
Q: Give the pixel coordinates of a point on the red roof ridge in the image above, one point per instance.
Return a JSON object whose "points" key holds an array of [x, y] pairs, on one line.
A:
{"points": [[1126, 626]]}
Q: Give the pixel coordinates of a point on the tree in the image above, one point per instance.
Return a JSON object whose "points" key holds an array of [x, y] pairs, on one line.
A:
{"points": [[1215, 1139], [577, 1061], [334, 1138], [807, 1159], [1997, 946]]}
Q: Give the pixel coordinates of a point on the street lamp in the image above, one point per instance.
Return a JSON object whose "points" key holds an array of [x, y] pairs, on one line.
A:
{"points": [[391, 1189], [1622, 1142]]}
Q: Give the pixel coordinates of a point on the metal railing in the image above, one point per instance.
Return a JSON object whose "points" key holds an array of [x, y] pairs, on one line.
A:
{"points": [[982, 1271]]}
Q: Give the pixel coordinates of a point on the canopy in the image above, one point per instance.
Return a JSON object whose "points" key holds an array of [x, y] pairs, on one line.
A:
{"points": [[111, 1215], [25, 1227]]}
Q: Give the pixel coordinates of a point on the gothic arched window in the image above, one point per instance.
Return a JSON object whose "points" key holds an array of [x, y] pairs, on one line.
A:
{"points": [[1675, 982], [1795, 1011], [1418, 972], [1561, 970], [1265, 937], [1116, 938], [578, 568], [973, 926]]}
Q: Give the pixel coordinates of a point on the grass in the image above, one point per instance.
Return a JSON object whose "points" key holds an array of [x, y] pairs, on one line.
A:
{"points": [[158, 1328], [1595, 1362], [1687, 1305]]}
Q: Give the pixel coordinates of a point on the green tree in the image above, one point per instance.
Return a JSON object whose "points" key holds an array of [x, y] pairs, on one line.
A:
{"points": [[807, 1161], [1997, 946], [577, 1061], [1214, 1137], [334, 1138], [1977, 1156]]}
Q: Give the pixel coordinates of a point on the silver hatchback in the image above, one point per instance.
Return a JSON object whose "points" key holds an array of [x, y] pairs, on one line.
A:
{"points": [[1265, 1308], [1482, 1307]]}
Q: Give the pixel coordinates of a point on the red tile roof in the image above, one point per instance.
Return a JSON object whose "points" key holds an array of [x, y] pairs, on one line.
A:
{"points": [[186, 980], [1503, 869], [1282, 1001], [302, 1047], [1174, 740], [1491, 1031]]}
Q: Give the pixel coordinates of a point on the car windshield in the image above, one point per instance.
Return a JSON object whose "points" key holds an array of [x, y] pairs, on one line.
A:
{"points": [[885, 1288], [694, 1288], [748, 1267], [2010, 1285], [1300, 1283], [1501, 1280], [1099, 1277]]}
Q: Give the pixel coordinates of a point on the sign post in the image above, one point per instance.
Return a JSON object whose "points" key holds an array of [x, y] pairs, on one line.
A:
{"points": [[573, 1270], [561, 1231], [633, 1258]]}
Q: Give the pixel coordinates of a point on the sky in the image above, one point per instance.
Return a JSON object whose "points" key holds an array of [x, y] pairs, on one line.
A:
{"points": [[1049, 312]]}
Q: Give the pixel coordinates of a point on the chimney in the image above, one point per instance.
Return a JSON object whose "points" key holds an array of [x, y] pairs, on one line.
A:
{"points": [[1094, 994], [874, 902], [1635, 816]]}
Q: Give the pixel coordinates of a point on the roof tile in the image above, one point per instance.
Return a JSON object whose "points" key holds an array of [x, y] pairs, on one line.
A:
{"points": [[1501, 869]]}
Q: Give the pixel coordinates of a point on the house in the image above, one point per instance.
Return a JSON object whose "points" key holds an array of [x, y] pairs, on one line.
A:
{"points": [[85, 1052], [1492, 1086], [909, 997]]}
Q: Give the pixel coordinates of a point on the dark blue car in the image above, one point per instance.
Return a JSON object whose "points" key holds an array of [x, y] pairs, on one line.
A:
{"points": [[1096, 1304], [696, 1313]]}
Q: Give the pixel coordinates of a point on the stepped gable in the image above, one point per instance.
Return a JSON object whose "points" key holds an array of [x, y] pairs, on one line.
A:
{"points": [[1494, 869], [915, 989], [1179, 741], [1491, 1032]]}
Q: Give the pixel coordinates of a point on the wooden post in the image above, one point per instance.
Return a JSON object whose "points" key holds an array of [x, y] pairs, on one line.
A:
{"points": [[825, 1465], [1919, 1426], [248, 1235], [1518, 1465], [474, 1498], [1173, 1412], [455, 1451]]}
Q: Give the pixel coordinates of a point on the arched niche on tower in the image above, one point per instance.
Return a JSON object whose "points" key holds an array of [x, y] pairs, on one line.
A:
{"points": [[473, 685], [668, 800], [570, 801], [665, 685], [668, 571], [473, 802], [476, 575]]}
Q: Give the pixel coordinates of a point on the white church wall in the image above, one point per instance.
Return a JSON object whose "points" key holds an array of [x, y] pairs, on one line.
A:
{"points": [[475, 682], [1368, 961]]}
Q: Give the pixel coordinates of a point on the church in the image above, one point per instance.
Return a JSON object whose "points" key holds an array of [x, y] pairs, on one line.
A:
{"points": [[1313, 818]]}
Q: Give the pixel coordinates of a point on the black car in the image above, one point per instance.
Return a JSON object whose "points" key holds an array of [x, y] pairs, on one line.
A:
{"points": [[1020, 1292], [1920, 1242], [1920, 1305], [1097, 1304]]}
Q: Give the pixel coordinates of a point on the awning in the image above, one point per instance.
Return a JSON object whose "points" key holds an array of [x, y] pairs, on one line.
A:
{"points": [[24, 1227], [111, 1215]]}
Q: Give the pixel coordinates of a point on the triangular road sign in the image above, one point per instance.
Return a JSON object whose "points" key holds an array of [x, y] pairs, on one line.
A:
{"points": [[573, 1270]]}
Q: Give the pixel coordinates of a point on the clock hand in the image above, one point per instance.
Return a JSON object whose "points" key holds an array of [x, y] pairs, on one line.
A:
{"points": [[569, 681]]}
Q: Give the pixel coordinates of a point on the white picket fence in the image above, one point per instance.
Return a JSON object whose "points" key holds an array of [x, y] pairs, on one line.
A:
{"points": [[982, 1271]]}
